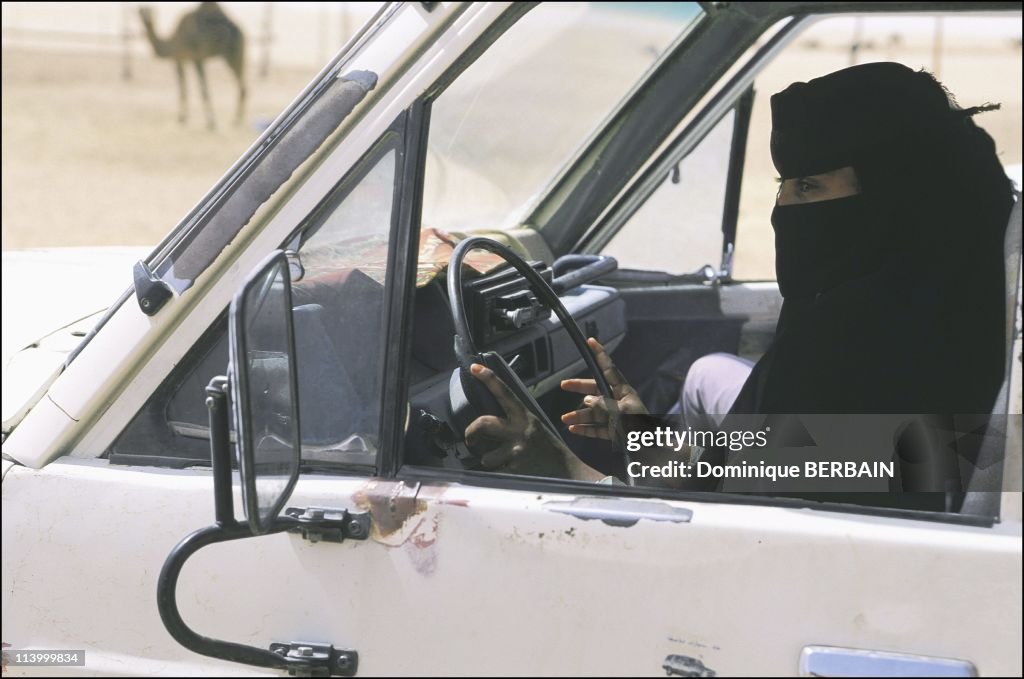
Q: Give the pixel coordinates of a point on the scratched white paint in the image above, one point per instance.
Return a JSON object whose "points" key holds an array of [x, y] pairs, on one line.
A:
{"points": [[481, 581]]}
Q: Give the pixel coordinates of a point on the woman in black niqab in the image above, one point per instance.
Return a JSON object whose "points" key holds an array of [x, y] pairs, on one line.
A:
{"points": [[893, 294], [894, 297]]}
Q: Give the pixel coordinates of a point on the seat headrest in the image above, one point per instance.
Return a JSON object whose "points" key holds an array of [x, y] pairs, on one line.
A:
{"points": [[1011, 250]]}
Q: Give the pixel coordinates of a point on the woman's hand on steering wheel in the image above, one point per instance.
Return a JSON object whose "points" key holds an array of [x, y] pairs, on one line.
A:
{"points": [[521, 444], [593, 420]]}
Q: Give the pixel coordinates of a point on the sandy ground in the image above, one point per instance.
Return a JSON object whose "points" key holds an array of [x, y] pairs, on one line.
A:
{"points": [[89, 159]]}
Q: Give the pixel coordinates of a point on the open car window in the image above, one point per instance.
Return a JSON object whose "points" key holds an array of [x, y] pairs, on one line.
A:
{"points": [[684, 214], [509, 123]]}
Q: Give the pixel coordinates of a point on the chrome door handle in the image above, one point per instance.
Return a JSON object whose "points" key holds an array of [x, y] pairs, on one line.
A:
{"points": [[833, 661]]}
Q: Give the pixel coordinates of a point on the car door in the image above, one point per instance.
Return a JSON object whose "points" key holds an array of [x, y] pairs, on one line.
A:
{"points": [[470, 572], [469, 579]]}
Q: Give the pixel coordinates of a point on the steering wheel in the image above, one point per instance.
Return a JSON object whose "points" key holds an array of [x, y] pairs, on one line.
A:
{"points": [[468, 397]]}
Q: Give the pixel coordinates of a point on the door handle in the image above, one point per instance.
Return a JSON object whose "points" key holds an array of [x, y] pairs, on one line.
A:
{"points": [[833, 661]]}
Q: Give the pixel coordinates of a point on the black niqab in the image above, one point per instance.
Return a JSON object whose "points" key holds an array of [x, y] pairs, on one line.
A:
{"points": [[894, 299]]}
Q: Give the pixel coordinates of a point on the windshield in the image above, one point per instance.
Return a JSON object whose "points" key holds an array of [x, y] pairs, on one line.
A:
{"points": [[516, 116]]}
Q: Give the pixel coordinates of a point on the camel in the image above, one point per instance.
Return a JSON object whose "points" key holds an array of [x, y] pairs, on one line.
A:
{"points": [[202, 33]]}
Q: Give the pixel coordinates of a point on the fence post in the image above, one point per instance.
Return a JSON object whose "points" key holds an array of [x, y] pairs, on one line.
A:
{"points": [[346, 29], [266, 38], [937, 49], [858, 35], [324, 11], [126, 42]]}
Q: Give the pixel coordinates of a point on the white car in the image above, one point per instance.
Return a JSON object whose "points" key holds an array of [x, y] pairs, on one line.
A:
{"points": [[370, 543]]}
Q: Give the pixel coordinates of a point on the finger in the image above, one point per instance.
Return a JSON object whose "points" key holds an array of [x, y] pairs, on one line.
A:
{"points": [[487, 427], [606, 416], [588, 387], [604, 362], [584, 416], [616, 380], [506, 399], [600, 406], [621, 391], [605, 405], [590, 431]]}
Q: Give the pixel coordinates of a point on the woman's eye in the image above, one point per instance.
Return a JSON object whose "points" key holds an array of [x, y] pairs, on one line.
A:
{"points": [[804, 187]]}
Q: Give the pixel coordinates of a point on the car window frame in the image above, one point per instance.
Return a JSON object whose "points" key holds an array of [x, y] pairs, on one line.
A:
{"points": [[408, 132], [402, 137], [393, 139]]}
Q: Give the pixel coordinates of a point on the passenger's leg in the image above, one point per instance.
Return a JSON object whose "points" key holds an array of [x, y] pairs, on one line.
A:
{"points": [[711, 387]]}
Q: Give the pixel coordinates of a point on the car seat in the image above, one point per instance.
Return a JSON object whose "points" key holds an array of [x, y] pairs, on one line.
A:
{"points": [[984, 486]]}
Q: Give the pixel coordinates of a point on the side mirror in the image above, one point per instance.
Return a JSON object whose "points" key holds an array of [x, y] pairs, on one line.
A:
{"points": [[263, 385], [264, 390]]}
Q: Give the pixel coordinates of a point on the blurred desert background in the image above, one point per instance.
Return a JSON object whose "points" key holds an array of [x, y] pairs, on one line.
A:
{"points": [[93, 153]]}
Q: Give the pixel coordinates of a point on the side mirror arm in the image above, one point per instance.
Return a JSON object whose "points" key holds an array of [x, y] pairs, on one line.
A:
{"points": [[220, 449], [168, 605], [296, 658], [327, 661]]}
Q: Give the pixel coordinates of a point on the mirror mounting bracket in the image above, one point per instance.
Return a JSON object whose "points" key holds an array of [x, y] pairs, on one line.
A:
{"points": [[150, 290], [329, 525], [321, 660]]}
